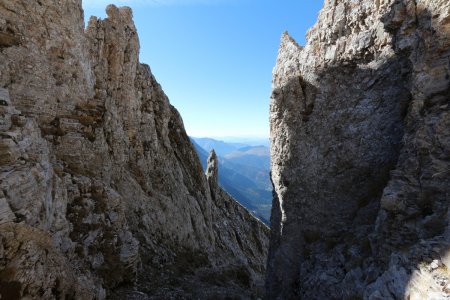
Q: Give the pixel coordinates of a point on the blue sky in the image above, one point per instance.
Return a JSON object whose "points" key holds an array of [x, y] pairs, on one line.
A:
{"points": [[214, 58]]}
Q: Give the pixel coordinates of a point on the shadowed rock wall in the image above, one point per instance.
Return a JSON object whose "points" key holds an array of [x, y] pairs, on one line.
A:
{"points": [[361, 154]]}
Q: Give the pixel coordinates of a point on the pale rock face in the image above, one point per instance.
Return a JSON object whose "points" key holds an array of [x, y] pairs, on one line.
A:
{"points": [[101, 192], [360, 154], [212, 170]]}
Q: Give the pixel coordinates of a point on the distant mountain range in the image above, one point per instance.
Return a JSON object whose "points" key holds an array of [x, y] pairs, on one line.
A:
{"points": [[221, 147], [244, 172]]}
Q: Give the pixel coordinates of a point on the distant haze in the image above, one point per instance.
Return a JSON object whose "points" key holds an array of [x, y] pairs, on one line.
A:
{"points": [[243, 172], [246, 140]]}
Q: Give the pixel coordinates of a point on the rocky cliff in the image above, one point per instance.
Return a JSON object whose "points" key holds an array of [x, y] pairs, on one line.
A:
{"points": [[101, 191], [360, 151]]}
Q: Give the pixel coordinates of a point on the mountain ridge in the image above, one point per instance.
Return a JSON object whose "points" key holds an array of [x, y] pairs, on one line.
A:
{"points": [[99, 181], [248, 184]]}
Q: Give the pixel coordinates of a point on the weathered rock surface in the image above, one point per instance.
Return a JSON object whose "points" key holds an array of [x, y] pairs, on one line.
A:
{"points": [[101, 191], [360, 151]]}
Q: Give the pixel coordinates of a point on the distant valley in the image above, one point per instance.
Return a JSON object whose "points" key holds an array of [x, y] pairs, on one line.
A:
{"points": [[244, 172]]}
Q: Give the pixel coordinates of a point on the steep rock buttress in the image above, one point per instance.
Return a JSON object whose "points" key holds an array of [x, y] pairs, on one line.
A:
{"points": [[361, 154], [101, 191]]}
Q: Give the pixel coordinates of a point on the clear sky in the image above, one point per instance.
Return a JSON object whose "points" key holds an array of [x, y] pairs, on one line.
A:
{"points": [[214, 58]]}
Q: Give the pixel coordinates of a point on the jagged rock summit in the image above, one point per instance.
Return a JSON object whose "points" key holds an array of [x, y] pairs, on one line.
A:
{"points": [[212, 169], [101, 192], [360, 152]]}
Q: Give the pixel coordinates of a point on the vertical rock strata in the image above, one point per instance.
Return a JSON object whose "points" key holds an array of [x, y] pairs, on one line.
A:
{"points": [[101, 192], [361, 154]]}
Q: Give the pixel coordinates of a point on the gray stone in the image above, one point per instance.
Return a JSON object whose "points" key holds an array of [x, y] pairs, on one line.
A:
{"points": [[105, 186], [212, 170], [4, 97], [6, 215], [360, 142]]}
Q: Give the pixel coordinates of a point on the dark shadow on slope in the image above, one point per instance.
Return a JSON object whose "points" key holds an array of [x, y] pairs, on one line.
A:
{"points": [[412, 233], [358, 126], [345, 148]]}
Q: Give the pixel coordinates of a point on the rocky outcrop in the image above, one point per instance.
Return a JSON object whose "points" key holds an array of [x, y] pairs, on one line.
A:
{"points": [[361, 154], [101, 191]]}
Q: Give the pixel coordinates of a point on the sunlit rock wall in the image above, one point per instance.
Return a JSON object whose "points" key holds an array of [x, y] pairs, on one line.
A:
{"points": [[101, 191]]}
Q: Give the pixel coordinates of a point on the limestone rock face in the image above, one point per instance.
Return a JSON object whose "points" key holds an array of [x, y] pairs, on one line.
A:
{"points": [[361, 154], [101, 191], [212, 170]]}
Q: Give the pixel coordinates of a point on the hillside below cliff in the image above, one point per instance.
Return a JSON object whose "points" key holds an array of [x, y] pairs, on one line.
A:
{"points": [[360, 147], [102, 194]]}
